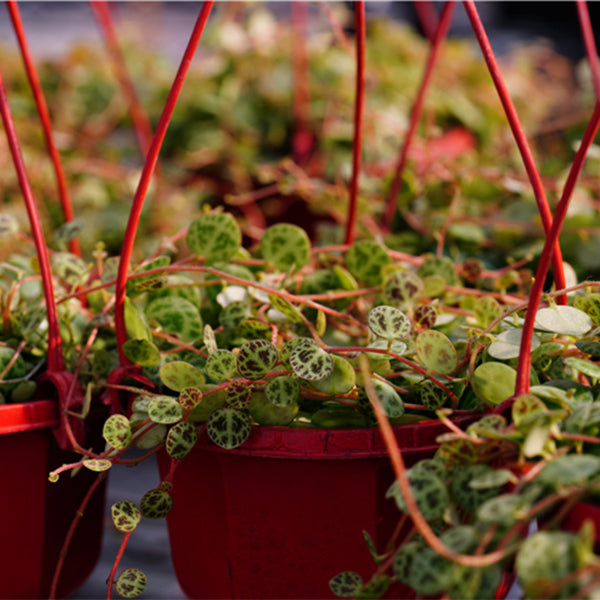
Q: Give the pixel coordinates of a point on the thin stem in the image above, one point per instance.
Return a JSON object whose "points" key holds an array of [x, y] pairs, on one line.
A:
{"points": [[141, 121], [520, 139], [590, 43], [417, 111], [115, 566], [55, 358], [524, 366], [144, 183], [428, 18], [359, 103], [42, 108]]}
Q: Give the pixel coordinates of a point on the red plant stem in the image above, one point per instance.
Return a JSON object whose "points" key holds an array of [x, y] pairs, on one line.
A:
{"points": [[65, 547], [141, 121], [524, 366], [590, 43], [150, 162], [359, 101], [42, 108], [55, 358], [520, 139], [115, 566], [428, 18], [417, 111]]}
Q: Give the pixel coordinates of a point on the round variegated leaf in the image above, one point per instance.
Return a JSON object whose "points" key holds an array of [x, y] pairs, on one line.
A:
{"points": [[310, 361], [178, 375], [285, 246], [486, 310], [436, 351], [220, 365], [283, 390], [152, 435], [117, 431], [131, 583], [284, 307], [589, 304], [215, 237], [156, 504], [256, 358], [209, 339], [425, 316], [346, 584], [97, 464], [340, 381], [180, 440], [429, 491], [431, 395], [165, 410], [440, 266], [234, 313], [239, 394], [253, 329], [388, 322], [69, 267], [177, 316], [125, 515], [365, 259], [390, 399], [142, 352], [228, 427], [402, 288], [190, 398]]}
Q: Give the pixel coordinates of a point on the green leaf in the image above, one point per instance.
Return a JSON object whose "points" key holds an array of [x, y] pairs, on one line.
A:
{"points": [[283, 390], [220, 365], [390, 399], [429, 491], [97, 464], [164, 410], [180, 440], [388, 322], [264, 412], [587, 367], [156, 504], [9, 226], [309, 361], [214, 236], [117, 431], [135, 325], [131, 583], [507, 344], [494, 382], [375, 588], [142, 352], [209, 339], [177, 316], [494, 478], [566, 320], [571, 469], [284, 307], [228, 427], [436, 351], [440, 266], [403, 288], [285, 246], [486, 310], [69, 268], [589, 304], [239, 394], [430, 574], [340, 381], [178, 375], [526, 409], [190, 398], [346, 584], [125, 516], [504, 509], [365, 259], [256, 358]]}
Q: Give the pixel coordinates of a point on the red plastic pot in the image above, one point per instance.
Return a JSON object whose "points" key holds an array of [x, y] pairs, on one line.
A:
{"points": [[282, 514], [37, 514]]}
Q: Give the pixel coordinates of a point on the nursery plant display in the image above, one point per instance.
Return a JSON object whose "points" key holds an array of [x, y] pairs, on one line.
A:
{"points": [[263, 360]]}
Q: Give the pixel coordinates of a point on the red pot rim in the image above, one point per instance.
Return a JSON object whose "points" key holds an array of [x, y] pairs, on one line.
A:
{"points": [[314, 443], [28, 416]]}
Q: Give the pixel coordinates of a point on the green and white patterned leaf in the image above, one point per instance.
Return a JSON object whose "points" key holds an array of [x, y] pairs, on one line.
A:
{"points": [[285, 246], [156, 504], [190, 398], [228, 427], [440, 266], [429, 491], [284, 307], [346, 584], [97, 464], [214, 236], [69, 268], [388, 322], [180, 440], [589, 304], [566, 320], [239, 394], [309, 361], [178, 375], [571, 469], [117, 431], [256, 358], [125, 515], [165, 410], [142, 352], [403, 288], [221, 365], [486, 310], [177, 316], [234, 313], [365, 259], [340, 381], [209, 339], [436, 351], [283, 390], [131, 583]]}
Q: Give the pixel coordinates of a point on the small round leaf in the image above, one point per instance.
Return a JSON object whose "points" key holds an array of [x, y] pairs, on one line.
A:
{"points": [[436, 351], [310, 361], [190, 398], [220, 365], [214, 236], [494, 382], [178, 375], [156, 504], [97, 464], [125, 515], [131, 583], [365, 259], [228, 428], [239, 394], [176, 316], [180, 440], [403, 288], [165, 410], [283, 390], [117, 431], [142, 352], [346, 584], [286, 246], [256, 358], [388, 322]]}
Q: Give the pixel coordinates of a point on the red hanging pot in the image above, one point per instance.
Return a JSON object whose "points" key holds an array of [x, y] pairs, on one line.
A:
{"points": [[282, 514], [37, 514]]}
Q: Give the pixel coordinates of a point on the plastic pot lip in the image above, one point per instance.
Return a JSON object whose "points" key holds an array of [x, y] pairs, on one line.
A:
{"points": [[28, 416], [334, 444]]}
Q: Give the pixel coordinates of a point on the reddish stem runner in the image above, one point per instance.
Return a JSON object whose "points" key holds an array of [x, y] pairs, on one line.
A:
{"points": [[42, 108], [141, 121], [428, 18], [55, 358], [417, 111], [359, 102], [520, 139], [590, 43], [150, 162]]}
